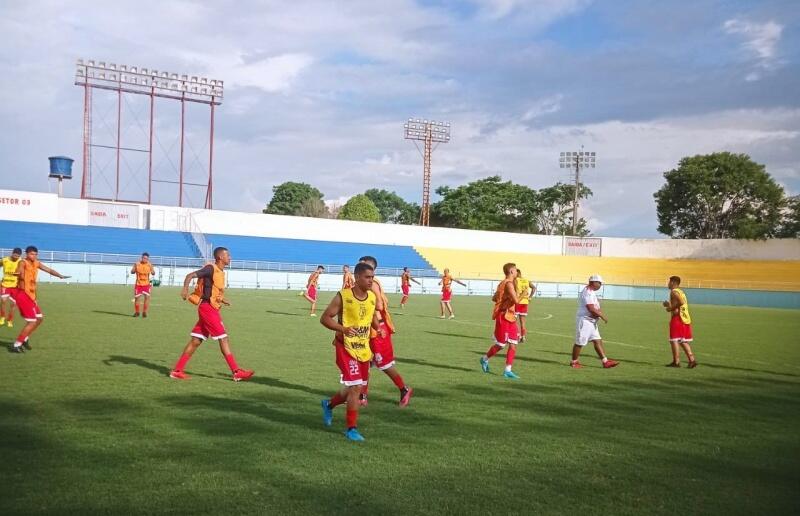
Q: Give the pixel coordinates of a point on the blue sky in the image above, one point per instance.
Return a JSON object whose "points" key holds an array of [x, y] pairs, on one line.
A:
{"points": [[318, 91]]}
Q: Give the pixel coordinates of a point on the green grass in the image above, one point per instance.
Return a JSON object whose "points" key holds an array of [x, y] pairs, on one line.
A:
{"points": [[90, 423]]}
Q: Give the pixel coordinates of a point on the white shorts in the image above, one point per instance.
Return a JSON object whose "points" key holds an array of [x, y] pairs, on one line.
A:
{"points": [[585, 331]]}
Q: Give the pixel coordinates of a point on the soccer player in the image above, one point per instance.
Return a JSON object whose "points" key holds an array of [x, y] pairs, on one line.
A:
{"points": [[588, 315], [348, 280], [209, 296], [405, 285], [311, 289], [506, 331], [524, 292], [680, 325], [351, 314], [447, 293], [143, 269], [10, 279], [381, 341], [25, 295]]}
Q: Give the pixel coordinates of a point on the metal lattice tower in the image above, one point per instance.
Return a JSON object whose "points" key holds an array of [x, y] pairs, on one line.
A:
{"points": [[428, 132], [577, 160]]}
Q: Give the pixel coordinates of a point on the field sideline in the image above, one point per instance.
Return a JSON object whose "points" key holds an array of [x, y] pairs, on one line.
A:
{"points": [[92, 424]]}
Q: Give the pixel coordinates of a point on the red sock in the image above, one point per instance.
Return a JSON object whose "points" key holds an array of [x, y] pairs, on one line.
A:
{"points": [[493, 351], [231, 362], [182, 362], [398, 381], [136, 307], [336, 400], [512, 351], [352, 418]]}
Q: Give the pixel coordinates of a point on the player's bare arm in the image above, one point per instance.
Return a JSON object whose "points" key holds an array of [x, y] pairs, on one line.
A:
{"points": [[133, 269], [460, 282], [52, 272], [329, 318], [596, 312], [376, 325], [186, 281], [376, 289], [674, 302], [512, 292]]}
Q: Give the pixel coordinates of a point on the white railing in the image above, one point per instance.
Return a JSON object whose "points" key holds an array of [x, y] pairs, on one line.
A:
{"points": [[187, 224]]}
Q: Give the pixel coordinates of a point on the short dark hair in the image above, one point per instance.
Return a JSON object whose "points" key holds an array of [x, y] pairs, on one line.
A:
{"points": [[16, 250], [146, 254], [218, 251], [675, 279], [507, 267], [320, 267], [519, 271], [405, 268], [361, 267], [369, 259], [31, 249]]}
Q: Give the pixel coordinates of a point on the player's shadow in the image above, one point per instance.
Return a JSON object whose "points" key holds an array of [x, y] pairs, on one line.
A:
{"points": [[275, 312], [456, 335], [745, 369], [425, 363], [524, 359], [140, 362], [105, 312], [9, 345], [274, 382], [592, 353]]}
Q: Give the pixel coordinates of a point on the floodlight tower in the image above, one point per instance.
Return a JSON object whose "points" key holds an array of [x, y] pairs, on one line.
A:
{"points": [[429, 132], [577, 160]]}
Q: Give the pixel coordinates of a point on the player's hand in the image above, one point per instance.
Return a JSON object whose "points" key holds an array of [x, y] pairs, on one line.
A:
{"points": [[225, 302], [665, 304], [350, 332], [184, 294], [604, 318], [66, 277], [382, 333]]}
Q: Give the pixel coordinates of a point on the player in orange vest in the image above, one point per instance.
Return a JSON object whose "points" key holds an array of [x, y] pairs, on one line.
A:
{"points": [[348, 280], [447, 293], [405, 285], [143, 269], [506, 331], [311, 289]]}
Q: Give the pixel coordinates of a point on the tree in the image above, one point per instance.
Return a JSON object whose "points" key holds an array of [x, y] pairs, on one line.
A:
{"points": [[555, 215], [720, 195], [488, 204], [360, 207], [288, 198], [393, 208], [790, 223], [313, 208]]}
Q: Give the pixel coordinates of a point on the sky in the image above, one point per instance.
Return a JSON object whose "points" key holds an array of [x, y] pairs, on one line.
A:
{"points": [[318, 91]]}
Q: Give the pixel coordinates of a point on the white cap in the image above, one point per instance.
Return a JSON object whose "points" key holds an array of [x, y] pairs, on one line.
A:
{"points": [[595, 277]]}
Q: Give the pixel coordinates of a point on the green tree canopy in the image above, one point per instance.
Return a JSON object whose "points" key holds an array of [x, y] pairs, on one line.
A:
{"points": [[393, 208], [555, 210], [790, 223], [313, 208], [288, 198], [720, 195], [360, 207]]}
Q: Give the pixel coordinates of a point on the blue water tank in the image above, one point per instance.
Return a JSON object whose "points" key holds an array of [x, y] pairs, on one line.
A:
{"points": [[61, 167]]}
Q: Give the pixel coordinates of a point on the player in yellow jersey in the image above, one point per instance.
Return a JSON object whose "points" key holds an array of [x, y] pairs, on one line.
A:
{"points": [[524, 290], [348, 280], [9, 284], [680, 325], [352, 314]]}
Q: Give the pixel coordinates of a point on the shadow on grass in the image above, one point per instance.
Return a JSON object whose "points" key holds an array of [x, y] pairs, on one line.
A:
{"points": [[425, 363], [118, 314], [458, 335], [140, 362], [280, 384], [525, 359], [745, 369], [275, 312]]}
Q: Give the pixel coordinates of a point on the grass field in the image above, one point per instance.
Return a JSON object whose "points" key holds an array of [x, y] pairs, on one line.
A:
{"points": [[90, 423]]}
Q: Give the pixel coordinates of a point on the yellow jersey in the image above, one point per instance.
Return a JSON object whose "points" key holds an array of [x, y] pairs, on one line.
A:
{"points": [[358, 314], [10, 278], [523, 287], [683, 311]]}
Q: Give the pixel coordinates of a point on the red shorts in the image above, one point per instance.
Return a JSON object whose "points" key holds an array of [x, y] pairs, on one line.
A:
{"points": [[406, 289], [209, 323], [141, 290], [382, 350], [8, 293], [352, 372], [505, 332], [447, 295], [27, 307], [679, 331], [521, 309], [312, 292]]}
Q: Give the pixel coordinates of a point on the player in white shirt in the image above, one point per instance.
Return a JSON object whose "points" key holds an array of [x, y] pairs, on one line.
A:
{"points": [[587, 319]]}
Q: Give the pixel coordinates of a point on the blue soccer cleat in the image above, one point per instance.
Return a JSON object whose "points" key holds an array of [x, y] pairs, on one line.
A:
{"points": [[511, 374], [353, 435], [484, 365], [327, 414]]}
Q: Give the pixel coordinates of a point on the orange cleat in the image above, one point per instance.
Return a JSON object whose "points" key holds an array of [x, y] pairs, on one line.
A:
{"points": [[610, 363], [179, 375], [242, 374]]}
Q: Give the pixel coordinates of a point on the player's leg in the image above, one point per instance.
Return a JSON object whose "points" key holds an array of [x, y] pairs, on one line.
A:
{"points": [[3, 299], [362, 396], [146, 304], [687, 348], [523, 329], [179, 371], [136, 296], [10, 313], [405, 391], [500, 339], [450, 309], [441, 309], [582, 334], [225, 347], [22, 338], [601, 352], [676, 354]]}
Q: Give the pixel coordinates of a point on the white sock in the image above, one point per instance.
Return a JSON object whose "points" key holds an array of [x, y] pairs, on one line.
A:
{"points": [[18, 344], [604, 359], [485, 358], [508, 368]]}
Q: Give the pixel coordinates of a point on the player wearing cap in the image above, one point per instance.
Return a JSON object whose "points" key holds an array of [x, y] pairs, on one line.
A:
{"points": [[586, 330]]}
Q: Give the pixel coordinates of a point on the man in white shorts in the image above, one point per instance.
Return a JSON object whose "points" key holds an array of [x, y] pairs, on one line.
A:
{"points": [[588, 316]]}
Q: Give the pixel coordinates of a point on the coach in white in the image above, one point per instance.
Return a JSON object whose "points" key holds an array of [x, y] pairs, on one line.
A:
{"points": [[588, 316]]}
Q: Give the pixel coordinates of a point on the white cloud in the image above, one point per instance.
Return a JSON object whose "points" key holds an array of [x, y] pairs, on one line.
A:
{"points": [[542, 12], [543, 106], [760, 43]]}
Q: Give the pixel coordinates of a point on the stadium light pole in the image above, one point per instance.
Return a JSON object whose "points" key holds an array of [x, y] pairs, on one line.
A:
{"points": [[428, 132], [577, 160]]}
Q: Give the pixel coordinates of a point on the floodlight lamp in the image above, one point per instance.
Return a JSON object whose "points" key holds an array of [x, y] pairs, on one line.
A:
{"points": [[134, 69], [101, 64]]}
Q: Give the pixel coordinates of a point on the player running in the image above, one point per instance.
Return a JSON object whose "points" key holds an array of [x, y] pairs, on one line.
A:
{"points": [[405, 285], [351, 314], [506, 331], [143, 269], [524, 292], [447, 293], [348, 280], [25, 295], [311, 289], [680, 325], [9, 284], [381, 341], [586, 324], [209, 296]]}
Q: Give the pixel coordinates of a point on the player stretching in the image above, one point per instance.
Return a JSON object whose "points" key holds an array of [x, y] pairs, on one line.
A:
{"points": [[381, 341], [209, 296], [143, 269], [25, 295], [447, 293], [680, 325], [9, 284], [506, 330], [311, 289], [351, 315], [348, 280], [588, 315], [405, 285], [524, 292]]}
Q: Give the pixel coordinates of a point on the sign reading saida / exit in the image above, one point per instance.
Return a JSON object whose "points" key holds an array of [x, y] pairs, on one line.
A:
{"points": [[113, 215], [577, 246]]}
